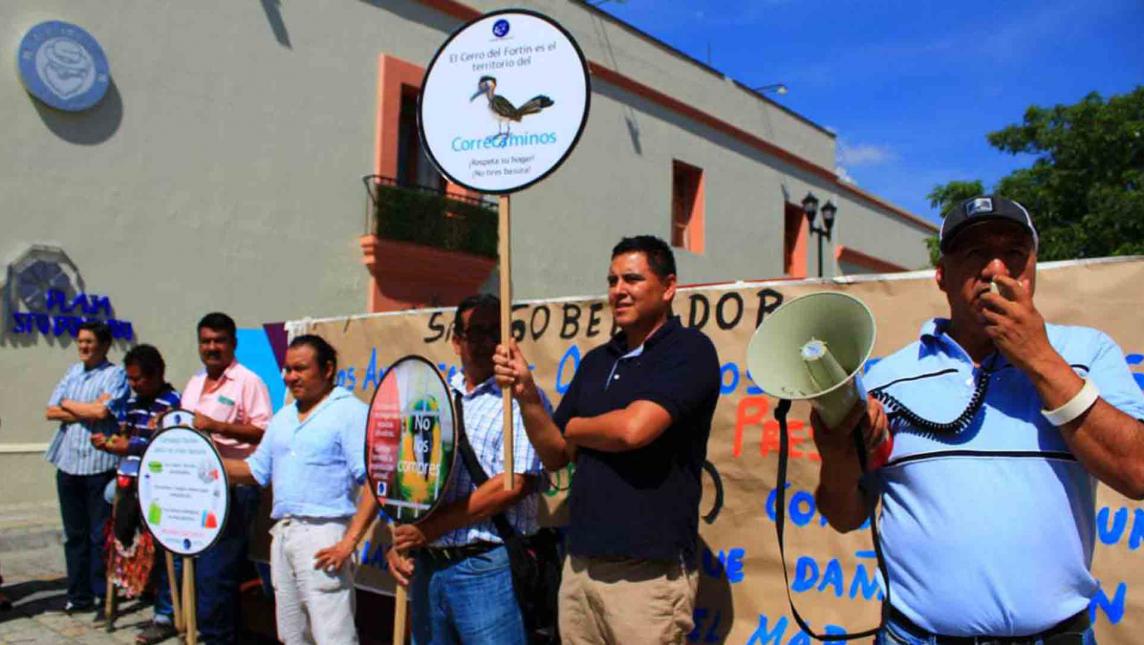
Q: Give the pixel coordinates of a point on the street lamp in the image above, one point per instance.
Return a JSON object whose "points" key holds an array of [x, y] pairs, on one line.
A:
{"points": [[778, 88], [829, 210]]}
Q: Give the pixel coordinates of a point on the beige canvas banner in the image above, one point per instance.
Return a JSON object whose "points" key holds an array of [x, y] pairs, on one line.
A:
{"points": [[834, 578]]}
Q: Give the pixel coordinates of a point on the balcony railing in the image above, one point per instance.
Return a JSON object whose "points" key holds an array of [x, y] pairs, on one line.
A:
{"points": [[430, 217]]}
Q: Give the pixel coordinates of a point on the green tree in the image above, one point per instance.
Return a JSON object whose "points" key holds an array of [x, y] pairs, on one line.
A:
{"points": [[1085, 188]]}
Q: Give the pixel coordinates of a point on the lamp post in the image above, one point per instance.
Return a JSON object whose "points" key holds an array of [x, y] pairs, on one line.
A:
{"points": [[829, 210]]}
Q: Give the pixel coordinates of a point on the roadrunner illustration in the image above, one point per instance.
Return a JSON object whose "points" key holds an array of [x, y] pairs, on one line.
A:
{"points": [[503, 110]]}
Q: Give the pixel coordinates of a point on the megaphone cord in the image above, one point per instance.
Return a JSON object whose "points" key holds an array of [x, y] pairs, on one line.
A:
{"points": [[780, 529], [897, 409]]}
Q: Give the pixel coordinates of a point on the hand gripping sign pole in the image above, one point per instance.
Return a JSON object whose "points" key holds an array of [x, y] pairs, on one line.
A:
{"points": [[503, 103], [409, 446], [184, 499]]}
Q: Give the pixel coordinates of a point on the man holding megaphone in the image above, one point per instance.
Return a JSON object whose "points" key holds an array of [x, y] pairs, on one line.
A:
{"points": [[1001, 426]]}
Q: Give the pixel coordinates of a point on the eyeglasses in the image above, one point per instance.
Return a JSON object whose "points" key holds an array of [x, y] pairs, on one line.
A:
{"points": [[478, 332]]}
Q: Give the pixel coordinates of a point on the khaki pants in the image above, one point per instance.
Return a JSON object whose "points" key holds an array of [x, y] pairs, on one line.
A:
{"points": [[618, 601]]}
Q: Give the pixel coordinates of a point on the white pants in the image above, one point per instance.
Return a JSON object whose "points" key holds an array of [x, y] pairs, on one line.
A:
{"points": [[313, 605]]}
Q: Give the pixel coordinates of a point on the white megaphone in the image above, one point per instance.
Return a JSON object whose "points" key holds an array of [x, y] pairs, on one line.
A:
{"points": [[814, 348]]}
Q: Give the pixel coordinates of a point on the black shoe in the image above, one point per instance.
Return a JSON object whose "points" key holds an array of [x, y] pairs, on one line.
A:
{"points": [[100, 615], [5, 604], [72, 607]]}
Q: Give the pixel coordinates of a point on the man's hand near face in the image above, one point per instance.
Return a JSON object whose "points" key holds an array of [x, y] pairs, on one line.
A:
{"points": [[1016, 328]]}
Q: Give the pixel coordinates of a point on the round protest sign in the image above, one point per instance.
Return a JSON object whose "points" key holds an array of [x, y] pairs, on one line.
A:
{"points": [[183, 492], [177, 418], [504, 101], [409, 439]]}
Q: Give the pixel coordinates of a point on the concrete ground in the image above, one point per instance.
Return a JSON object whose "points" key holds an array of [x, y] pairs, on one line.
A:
{"points": [[32, 563]]}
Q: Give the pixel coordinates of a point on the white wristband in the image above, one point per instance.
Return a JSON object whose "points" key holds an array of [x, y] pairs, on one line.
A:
{"points": [[1076, 406]]}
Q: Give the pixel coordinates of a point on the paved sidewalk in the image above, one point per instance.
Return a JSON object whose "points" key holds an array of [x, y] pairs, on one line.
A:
{"points": [[32, 563]]}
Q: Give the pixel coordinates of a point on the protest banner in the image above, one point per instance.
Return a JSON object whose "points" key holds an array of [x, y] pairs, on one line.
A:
{"points": [[833, 577]]}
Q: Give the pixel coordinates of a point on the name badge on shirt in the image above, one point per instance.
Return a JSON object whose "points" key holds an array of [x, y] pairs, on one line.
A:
{"points": [[222, 399]]}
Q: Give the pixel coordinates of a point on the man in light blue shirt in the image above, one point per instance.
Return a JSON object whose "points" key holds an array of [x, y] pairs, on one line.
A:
{"points": [[87, 401], [313, 454], [988, 523]]}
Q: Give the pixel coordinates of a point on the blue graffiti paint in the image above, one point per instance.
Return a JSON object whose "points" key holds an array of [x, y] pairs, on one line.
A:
{"points": [[373, 373], [573, 352], [1112, 526], [705, 631], [831, 578], [764, 636], [1113, 608], [726, 387]]}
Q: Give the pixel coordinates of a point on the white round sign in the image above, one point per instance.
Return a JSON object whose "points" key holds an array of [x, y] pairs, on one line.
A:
{"points": [[177, 417], [504, 101], [183, 491]]}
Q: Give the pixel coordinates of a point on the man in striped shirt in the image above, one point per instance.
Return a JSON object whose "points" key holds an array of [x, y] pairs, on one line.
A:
{"points": [[87, 401], [460, 581], [152, 397]]}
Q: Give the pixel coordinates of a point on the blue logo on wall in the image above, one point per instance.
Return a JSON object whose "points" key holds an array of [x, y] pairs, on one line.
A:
{"points": [[63, 66], [500, 28]]}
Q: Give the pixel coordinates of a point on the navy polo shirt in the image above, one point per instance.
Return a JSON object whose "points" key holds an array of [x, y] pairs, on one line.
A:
{"points": [[643, 503]]}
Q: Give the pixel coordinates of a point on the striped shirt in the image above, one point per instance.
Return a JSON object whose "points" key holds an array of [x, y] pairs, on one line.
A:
{"points": [[137, 420], [71, 450], [484, 421]]}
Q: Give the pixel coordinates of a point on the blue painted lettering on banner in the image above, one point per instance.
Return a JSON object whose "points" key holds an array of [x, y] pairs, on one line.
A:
{"points": [[728, 387], [563, 381], [774, 635], [1113, 525], [707, 626], [1113, 608], [808, 575], [727, 563], [373, 373]]}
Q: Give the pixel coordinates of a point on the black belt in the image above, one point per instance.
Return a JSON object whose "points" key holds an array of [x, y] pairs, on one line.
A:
{"points": [[1066, 632], [456, 553]]}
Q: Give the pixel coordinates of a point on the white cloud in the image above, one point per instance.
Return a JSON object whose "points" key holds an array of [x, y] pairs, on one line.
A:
{"points": [[863, 154], [844, 176]]}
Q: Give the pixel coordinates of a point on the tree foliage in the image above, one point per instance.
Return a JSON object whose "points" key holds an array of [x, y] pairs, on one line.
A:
{"points": [[1085, 188]]}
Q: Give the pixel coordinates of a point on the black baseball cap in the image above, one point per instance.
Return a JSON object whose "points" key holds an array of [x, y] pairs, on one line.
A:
{"points": [[980, 209]]}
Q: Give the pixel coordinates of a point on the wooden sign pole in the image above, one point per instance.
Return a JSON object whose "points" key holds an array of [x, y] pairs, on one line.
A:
{"points": [[109, 599], [504, 247], [189, 601], [401, 602], [176, 603]]}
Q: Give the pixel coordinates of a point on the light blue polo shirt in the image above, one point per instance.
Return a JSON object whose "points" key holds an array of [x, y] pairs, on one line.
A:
{"points": [[990, 531], [316, 465]]}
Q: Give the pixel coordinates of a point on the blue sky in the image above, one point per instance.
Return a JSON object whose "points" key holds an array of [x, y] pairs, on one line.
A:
{"points": [[911, 88]]}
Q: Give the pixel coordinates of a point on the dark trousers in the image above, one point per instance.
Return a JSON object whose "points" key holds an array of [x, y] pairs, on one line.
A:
{"points": [[219, 569], [85, 513]]}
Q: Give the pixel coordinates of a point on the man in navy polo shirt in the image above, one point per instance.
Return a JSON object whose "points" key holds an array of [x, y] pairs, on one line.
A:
{"points": [[988, 526], [635, 421]]}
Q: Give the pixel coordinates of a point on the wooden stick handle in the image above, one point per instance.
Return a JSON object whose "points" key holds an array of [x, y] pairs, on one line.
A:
{"points": [[176, 602], [504, 248], [189, 601], [401, 602]]}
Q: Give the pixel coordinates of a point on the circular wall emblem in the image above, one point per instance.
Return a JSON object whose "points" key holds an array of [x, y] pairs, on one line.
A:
{"points": [[500, 28], [63, 66]]}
